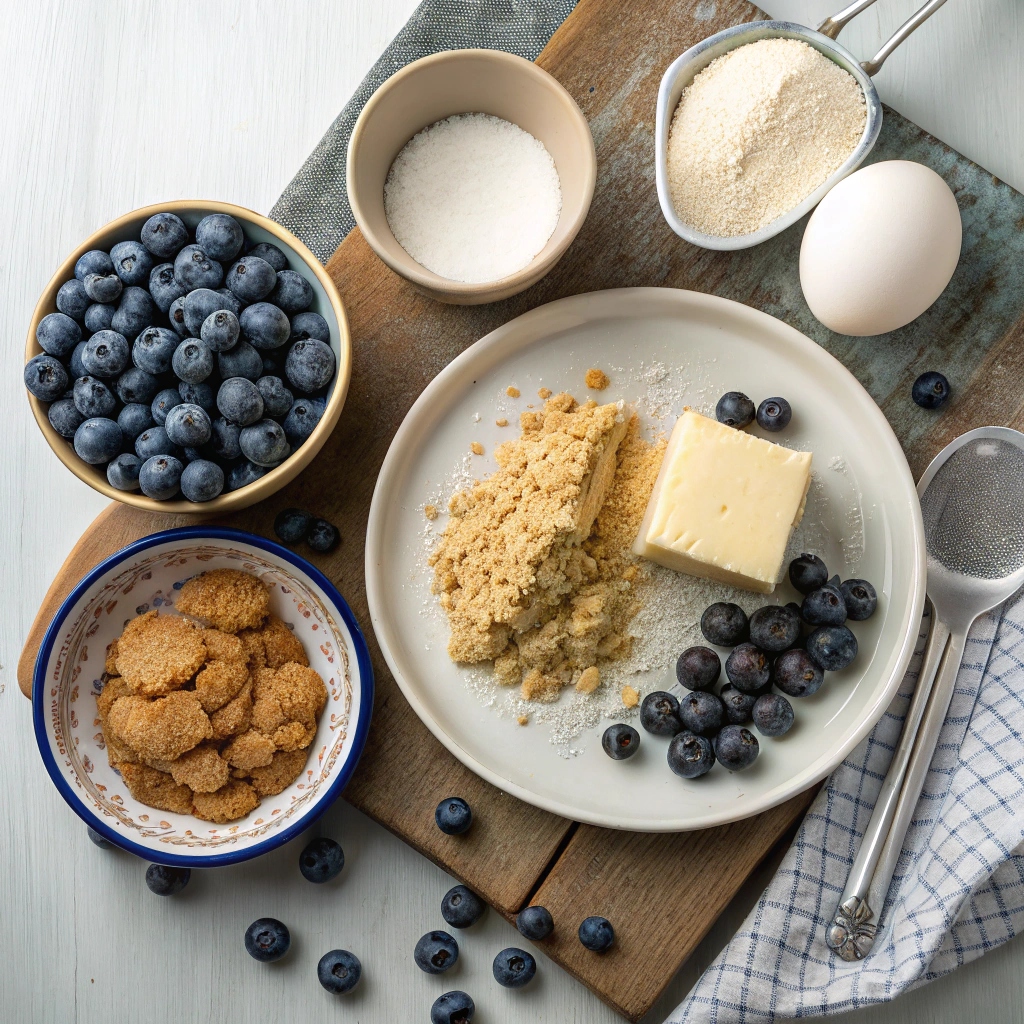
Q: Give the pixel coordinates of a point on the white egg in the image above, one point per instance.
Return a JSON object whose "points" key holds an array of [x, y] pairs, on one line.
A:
{"points": [[880, 248]]}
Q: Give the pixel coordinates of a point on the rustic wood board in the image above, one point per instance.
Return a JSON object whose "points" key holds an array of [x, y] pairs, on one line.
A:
{"points": [[610, 57]]}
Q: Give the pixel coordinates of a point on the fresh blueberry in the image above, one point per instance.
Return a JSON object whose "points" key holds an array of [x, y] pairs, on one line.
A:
{"points": [[65, 417], [461, 907], [930, 390], [132, 263], [135, 312], [339, 971], [160, 477], [277, 399], [774, 628], [264, 326], [193, 268], [221, 236], [163, 403], [224, 439], [163, 287], [241, 361], [135, 385], [98, 440], [734, 409], [738, 705], [323, 536], [188, 425], [736, 748], [200, 394], [154, 349], [271, 253], [176, 317], [659, 714], [597, 934], [309, 365], [106, 354], [514, 968], [72, 299], [773, 714], [123, 472], [104, 288], [825, 606], [165, 880], [301, 420], [241, 474], [155, 441], [620, 741], [701, 713], [133, 419], [535, 923], [293, 293], [198, 305], [220, 330], [691, 755], [230, 301], [102, 843], [321, 860], [164, 234], [93, 398], [310, 325], [76, 368], [861, 599], [95, 261], [192, 361], [58, 335], [725, 625], [45, 377], [267, 940], [807, 573], [264, 443], [747, 668], [291, 524], [698, 668], [240, 401], [99, 317], [832, 648], [453, 816], [453, 1007], [251, 278], [795, 674], [774, 414], [436, 952]]}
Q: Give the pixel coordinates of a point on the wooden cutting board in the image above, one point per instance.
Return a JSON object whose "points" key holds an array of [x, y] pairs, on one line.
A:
{"points": [[610, 56]]}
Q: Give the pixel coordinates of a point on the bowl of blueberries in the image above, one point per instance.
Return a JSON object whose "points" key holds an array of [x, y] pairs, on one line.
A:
{"points": [[188, 357]]}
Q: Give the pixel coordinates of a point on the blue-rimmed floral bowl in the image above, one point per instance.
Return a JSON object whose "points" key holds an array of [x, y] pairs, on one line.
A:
{"points": [[149, 574]]}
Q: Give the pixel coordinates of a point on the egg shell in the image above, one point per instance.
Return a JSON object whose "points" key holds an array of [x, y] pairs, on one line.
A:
{"points": [[880, 248]]}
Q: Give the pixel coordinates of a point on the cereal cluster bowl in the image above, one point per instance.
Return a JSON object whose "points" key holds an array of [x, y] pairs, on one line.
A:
{"points": [[149, 575]]}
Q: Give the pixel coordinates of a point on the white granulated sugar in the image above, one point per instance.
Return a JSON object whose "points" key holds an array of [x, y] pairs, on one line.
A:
{"points": [[757, 131], [473, 198]]}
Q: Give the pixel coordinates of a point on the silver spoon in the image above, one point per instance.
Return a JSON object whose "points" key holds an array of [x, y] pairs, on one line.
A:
{"points": [[972, 500]]}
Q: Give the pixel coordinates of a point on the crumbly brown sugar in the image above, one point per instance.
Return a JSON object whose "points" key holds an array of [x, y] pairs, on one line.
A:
{"points": [[476, 448], [430, 511], [597, 380], [501, 421], [512, 391], [226, 599], [544, 393]]}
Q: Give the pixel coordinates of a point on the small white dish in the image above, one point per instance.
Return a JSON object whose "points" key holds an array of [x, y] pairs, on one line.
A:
{"points": [[148, 574]]}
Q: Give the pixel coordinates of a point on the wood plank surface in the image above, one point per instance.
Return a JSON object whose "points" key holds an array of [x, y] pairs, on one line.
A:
{"points": [[610, 57]]}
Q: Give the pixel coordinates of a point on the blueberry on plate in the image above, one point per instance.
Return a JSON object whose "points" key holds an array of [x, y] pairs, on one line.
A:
{"points": [[133, 419], [309, 365], [123, 472], [339, 971], [773, 714], [167, 881], [736, 748], [72, 299], [738, 705], [132, 262], [220, 330], [93, 398], [99, 317], [58, 335], [201, 479], [221, 236], [277, 399], [264, 443], [535, 923], [514, 968], [690, 755], [930, 390], [102, 843], [187, 425], [725, 624], [620, 741], [95, 261], [453, 1007], [310, 325], [321, 860], [267, 939], [734, 409], [597, 934], [163, 403], [748, 669], [164, 287], [461, 907], [164, 234], [301, 420], [154, 349], [265, 326], [241, 361], [436, 952], [701, 713], [774, 628], [106, 354], [251, 278], [832, 648], [807, 573], [135, 312], [194, 268], [825, 606], [224, 439], [292, 292], [154, 441], [242, 474], [659, 714], [192, 361], [136, 386], [774, 414], [271, 254], [200, 394], [160, 476], [65, 417], [323, 536], [861, 599], [98, 440], [453, 816], [796, 674], [198, 305], [240, 401], [698, 668]]}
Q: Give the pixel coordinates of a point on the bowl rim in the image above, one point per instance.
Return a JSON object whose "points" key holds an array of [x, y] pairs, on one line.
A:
{"points": [[276, 478], [417, 273], [360, 733]]}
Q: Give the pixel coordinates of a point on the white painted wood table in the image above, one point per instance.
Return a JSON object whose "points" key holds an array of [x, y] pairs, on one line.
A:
{"points": [[109, 105]]}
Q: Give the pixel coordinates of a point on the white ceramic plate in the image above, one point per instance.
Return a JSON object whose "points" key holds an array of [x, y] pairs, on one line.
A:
{"points": [[663, 349]]}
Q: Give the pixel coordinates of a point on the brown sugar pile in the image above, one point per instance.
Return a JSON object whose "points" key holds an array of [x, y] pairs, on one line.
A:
{"points": [[534, 569], [207, 717]]}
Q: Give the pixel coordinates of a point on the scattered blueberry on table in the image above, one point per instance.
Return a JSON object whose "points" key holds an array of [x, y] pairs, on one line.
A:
{"points": [[339, 971], [295, 524], [514, 968], [267, 940], [461, 907], [620, 741], [436, 952], [930, 390], [597, 934], [453, 816], [453, 1007], [535, 923], [321, 860], [167, 881], [323, 536], [102, 843]]}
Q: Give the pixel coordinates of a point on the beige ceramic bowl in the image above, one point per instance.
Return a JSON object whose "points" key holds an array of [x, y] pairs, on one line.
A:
{"points": [[462, 82], [326, 302]]}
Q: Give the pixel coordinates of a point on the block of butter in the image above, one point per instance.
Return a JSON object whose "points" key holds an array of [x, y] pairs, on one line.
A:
{"points": [[724, 504]]}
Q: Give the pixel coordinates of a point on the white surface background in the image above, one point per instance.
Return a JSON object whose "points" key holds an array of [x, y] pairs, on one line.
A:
{"points": [[111, 105]]}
